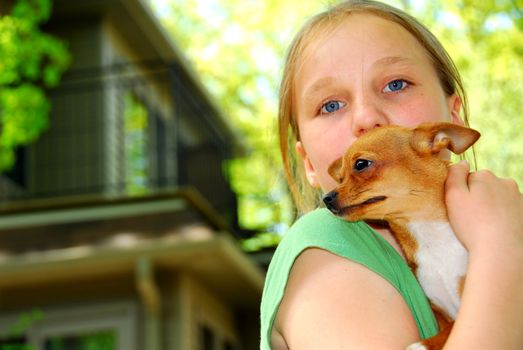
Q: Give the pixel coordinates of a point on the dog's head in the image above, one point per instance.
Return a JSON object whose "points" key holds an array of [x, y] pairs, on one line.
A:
{"points": [[392, 172]]}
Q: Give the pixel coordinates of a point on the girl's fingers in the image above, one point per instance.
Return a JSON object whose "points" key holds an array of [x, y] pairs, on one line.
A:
{"points": [[457, 178]]}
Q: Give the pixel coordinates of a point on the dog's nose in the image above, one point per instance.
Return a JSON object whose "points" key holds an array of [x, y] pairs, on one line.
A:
{"points": [[330, 201]]}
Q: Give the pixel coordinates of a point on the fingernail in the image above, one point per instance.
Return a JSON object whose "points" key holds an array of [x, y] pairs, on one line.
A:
{"points": [[464, 162]]}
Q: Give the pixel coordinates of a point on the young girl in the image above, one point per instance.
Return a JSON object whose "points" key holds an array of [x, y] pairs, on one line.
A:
{"points": [[339, 285]]}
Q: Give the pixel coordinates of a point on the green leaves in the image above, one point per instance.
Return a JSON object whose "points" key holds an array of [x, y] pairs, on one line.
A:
{"points": [[30, 61], [32, 12], [24, 111], [488, 48]]}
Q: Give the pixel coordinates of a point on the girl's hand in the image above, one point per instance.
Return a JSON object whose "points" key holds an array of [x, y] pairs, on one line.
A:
{"points": [[486, 212]]}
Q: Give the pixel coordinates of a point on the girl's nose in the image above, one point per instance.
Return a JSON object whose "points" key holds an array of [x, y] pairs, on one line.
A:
{"points": [[367, 115]]}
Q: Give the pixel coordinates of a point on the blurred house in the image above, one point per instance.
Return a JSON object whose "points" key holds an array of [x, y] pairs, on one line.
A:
{"points": [[119, 223]]}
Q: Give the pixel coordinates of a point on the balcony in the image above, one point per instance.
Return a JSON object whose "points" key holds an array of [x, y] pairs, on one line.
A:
{"points": [[123, 131]]}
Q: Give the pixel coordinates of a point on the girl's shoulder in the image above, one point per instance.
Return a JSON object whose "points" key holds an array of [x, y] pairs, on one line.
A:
{"points": [[321, 229], [322, 225], [355, 241]]}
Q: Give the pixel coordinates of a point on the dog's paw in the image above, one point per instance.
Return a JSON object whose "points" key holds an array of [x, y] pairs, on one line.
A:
{"points": [[417, 346]]}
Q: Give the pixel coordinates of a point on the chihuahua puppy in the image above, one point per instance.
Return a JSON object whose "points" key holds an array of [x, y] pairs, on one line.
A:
{"points": [[397, 175]]}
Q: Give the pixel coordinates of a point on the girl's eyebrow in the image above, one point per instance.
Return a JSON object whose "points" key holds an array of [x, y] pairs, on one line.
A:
{"points": [[319, 85], [385, 61]]}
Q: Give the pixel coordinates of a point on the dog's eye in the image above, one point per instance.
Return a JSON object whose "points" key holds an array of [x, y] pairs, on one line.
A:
{"points": [[362, 164]]}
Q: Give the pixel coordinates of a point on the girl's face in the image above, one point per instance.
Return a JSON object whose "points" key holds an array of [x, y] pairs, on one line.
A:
{"points": [[369, 72]]}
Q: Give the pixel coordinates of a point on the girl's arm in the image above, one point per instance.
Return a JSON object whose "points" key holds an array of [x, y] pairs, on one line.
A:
{"points": [[333, 303]]}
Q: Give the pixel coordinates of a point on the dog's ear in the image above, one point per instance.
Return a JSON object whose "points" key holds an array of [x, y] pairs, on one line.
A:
{"points": [[335, 170], [432, 138]]}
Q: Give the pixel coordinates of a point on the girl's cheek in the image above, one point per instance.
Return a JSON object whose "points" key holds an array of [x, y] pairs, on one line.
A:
{"points": [[327, 183], [422, 110]]}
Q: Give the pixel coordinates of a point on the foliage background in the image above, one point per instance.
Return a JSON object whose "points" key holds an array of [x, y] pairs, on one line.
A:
{"points": [[238, 46], [30, 61]]}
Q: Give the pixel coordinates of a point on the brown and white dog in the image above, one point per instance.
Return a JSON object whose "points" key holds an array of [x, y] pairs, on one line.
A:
{"points": [[397, 175]]}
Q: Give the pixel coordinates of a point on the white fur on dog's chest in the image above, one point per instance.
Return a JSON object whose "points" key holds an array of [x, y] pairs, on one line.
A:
{"points": [[442, 262]]}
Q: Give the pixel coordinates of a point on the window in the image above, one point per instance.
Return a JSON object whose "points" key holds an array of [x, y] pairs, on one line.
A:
{"points": [[206, 338], [211, 339], [96, 327], [17, 173], [162, 174], [228, 346], [103, 340], [135, 132], [13, 343]]}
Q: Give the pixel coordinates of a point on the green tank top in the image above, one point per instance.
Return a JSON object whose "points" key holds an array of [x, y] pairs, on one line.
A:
{"points": [[355, 241]]}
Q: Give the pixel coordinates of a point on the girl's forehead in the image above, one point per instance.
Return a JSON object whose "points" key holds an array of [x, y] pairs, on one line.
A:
{"points": [[359, 37], [369, 28]]}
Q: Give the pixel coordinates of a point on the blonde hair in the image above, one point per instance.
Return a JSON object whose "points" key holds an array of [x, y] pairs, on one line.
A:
{"points": [[305, 196]]}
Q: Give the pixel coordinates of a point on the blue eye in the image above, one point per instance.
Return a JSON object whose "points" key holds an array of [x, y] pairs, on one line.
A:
{"points": [[331, 106], [395, 85]]}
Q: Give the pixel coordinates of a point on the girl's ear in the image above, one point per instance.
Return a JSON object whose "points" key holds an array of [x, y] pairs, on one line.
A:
{"points": [[455, 109], [310, 173]]}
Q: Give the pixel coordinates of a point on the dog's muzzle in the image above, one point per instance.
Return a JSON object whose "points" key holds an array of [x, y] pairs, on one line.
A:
{"points": [[330, 201]]}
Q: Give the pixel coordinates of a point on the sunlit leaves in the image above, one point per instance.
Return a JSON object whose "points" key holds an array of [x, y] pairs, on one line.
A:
{"points": [[488, 48], [32, 12], [22, 110], [30, 61]]}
